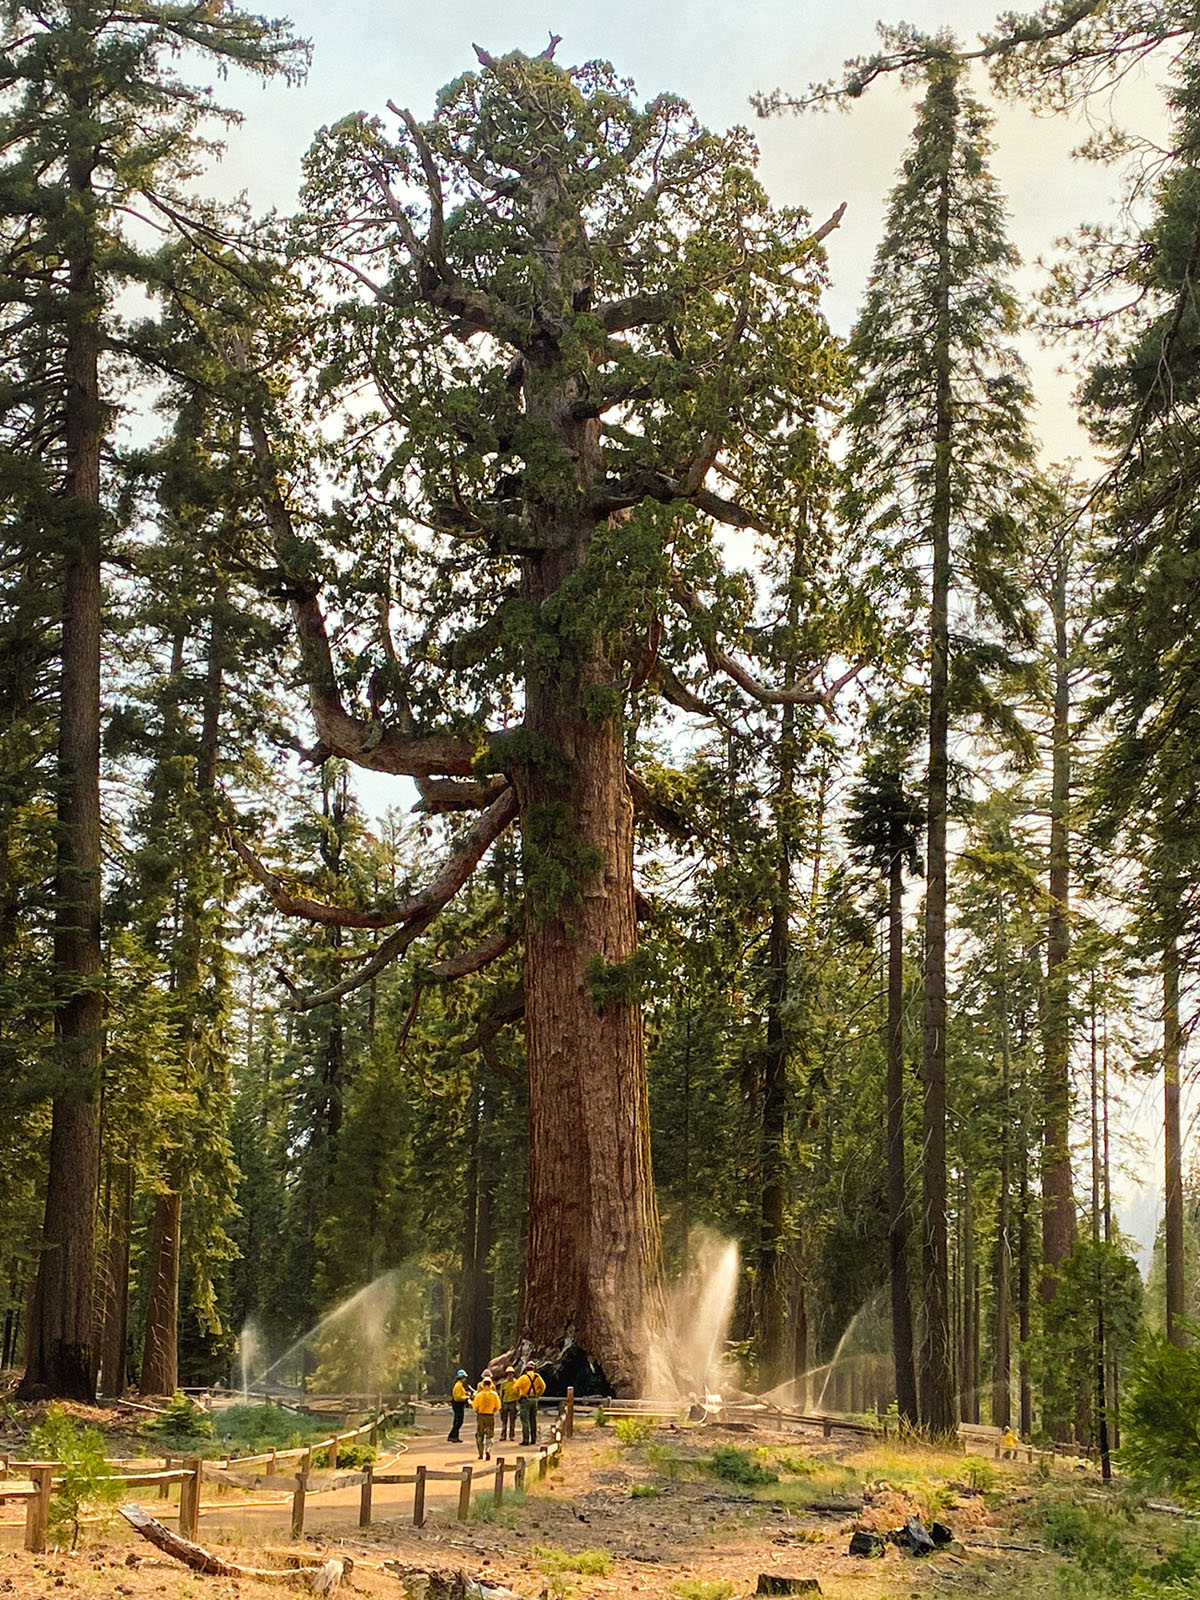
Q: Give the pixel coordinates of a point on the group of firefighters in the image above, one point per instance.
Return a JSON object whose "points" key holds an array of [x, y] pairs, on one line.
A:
{"points": [[514, 1394]]}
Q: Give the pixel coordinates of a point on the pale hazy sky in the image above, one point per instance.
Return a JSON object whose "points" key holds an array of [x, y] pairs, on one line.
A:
{"points": [[716, 54]]}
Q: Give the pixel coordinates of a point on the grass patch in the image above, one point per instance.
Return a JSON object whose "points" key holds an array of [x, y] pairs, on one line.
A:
{"points": [[553, 1561], [485, 1509], [700, 1589], [798, 1466], [825, 1482], [740, 1467], [644, 1491], [664, 1461], [238, 1431]]}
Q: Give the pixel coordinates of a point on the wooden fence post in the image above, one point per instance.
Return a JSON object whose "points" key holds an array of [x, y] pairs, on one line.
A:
{"points": [[519, 1474], [333, 1444], [37, 1510], [189, 1499], [543, 1461], [569, 1416], [373, 1436], [464, 1493], [498, 1492], [272, 1465], [164, 1489], [3, 1463], [298, 1504], [364, 1504], [419, 1498]]}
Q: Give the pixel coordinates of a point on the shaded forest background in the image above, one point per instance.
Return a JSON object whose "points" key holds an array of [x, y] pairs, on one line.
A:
{"points": [[908, 715]]}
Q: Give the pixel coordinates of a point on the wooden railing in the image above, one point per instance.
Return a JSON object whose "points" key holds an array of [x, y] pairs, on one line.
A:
{"points": [[37, 1481]]}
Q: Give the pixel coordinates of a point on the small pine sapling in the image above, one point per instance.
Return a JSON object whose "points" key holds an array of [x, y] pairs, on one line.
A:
{"points": [[82, 1482]]}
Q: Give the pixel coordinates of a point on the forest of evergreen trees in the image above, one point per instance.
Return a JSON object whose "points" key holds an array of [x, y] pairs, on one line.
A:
{"points": [[795, 822]]}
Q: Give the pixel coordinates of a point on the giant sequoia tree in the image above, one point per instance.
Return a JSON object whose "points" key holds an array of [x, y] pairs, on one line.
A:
{"points": [[579, 343]]}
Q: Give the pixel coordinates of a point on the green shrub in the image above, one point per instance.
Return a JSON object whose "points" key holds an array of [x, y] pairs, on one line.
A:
{"points": [[1181, 1566], [978, 1474], [644, 1491], [83, 1482], [182, 1419], [798, 1466], [601, 1417], [1089, 1537], [1158, 1418], [351, 1457], [633, 1430], [738, 1466]]}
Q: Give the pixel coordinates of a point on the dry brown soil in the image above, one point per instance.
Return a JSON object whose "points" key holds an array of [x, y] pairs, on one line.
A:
{"points": [[691, 1529]]}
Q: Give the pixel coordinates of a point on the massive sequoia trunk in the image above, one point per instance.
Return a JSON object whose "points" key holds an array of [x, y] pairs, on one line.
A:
{"points": [[596, 1286]]}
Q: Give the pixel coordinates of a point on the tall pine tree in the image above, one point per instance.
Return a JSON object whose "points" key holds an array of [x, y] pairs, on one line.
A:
{"points": [[939, 465], [93, 113]]}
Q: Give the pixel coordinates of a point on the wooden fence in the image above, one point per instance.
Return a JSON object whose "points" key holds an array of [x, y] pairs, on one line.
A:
{"points": [[36, 1483]]}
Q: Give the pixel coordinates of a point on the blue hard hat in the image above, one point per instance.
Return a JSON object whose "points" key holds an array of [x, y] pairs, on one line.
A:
{"points": [[461, 1373]]}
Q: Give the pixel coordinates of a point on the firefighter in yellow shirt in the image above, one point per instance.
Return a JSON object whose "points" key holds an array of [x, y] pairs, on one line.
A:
{"points": [[459, 1396], [485, 1406], [508, 1404], [530, 1386]]}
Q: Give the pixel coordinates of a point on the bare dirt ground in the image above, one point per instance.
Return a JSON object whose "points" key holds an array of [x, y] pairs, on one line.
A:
{"points": [[633, 1516]]}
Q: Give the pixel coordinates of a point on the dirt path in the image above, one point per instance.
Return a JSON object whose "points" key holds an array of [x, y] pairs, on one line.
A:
{"points": [[640, 1516]]}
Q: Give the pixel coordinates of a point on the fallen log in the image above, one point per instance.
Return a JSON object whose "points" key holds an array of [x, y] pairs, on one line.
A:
{"points": [[423, 1583], [318, 1580]]}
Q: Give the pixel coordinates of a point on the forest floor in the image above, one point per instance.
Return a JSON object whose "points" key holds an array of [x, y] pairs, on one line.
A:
{"points": [[663, 1513]]}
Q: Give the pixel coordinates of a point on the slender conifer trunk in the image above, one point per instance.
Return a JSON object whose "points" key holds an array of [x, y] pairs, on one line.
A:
{"points": [[902, 1324], [1002, 1343], [160, 1354], [60, 1354], [112, 1336], [937, 1365], [1172, 1144], [1058, 1201], [772, 1245]]}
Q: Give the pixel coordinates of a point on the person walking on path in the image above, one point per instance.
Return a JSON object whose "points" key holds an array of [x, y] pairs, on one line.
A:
{"points": [[530, 1387], [459, 1396], [508, 1404], [485, 1405]]}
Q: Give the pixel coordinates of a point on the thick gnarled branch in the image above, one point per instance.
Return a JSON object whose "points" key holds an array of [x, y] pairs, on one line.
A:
{"points": [[367, 742], [419, 913], [806, 693], [455, 872], [474, 960]]}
